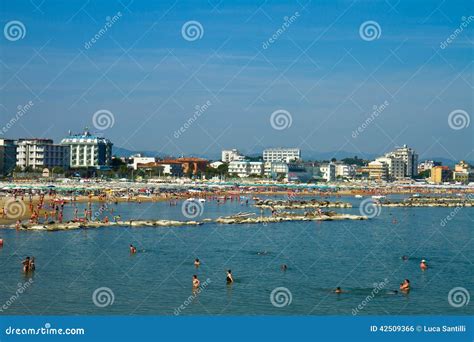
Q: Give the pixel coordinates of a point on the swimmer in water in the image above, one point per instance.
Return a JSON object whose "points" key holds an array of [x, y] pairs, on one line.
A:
{"points": [[196, 281], [423, 265], [338, 290], [405, 286], [283, 267], [197, 263], [26, 264], [133, 249], [32, 265], [229, 278], [405, 258]]}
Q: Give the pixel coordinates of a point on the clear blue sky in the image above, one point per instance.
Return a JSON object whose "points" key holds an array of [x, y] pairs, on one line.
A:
{"points": [[319, 69]]}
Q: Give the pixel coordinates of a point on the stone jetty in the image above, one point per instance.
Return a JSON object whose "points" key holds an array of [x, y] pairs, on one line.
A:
{"points": [[299, 204]]}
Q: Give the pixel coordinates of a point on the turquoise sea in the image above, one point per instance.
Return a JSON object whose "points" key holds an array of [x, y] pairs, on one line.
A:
{"points": [[355, 255]]}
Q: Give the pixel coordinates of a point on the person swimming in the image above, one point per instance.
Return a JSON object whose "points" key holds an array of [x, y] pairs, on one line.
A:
{"points": [[229, 278], [423, 265], [405, 257], [32, 265], [197, 263], [405, 286], [196, 281], [26, 264], [338, 290], [133, 249], [283, 267]]}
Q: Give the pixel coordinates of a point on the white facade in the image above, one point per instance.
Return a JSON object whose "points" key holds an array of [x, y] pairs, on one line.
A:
{"points": [[216, 164], [231, 155], [87, 150], [396, 166], [426, 165], [246, 168], [41, 153], [328, 171], [142, 160], [345, 171], [281, 154], [409, 157], [274, 169]]}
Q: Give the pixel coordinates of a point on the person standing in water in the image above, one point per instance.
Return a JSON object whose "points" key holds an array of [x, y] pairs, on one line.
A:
{"points": [[197, 263], [32, 265], [229, 278], [26, 264], [423, 265], [133, 249], [405, 286], [196, 282]]}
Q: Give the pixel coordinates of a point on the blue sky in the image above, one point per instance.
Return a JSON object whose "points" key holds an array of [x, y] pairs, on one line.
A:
{"points": [[319, 70]]}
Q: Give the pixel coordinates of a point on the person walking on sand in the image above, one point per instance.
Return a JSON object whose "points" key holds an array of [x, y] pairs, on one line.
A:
{"points": [[196, 282], [229, 278]]}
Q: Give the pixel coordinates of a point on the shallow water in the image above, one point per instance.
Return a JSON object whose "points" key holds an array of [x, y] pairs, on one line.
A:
{"points": [[320, 256]]}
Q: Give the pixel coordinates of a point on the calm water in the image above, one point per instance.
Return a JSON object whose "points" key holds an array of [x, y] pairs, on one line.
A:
{"points": [[320, 256]]}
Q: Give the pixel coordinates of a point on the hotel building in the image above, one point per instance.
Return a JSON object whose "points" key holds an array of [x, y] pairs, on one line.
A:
{"points": [[409, 157], [281, 154], [41, 153], [7, 156], [231, 155], [87, 150]]}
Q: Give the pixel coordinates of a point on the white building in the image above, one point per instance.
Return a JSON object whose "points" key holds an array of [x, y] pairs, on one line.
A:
{"points": [[216, 164], [409, 157], [141, 160], [41, 153], [378, 170], [281, 154], [328, 171], [231, 155], [246, 168], [275, 169], [396, 166], [87, 150], [345, 171], [427, 165]]}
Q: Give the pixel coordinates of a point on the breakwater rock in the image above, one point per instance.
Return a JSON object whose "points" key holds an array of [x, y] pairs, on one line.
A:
{"points": [[300, 204]]}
